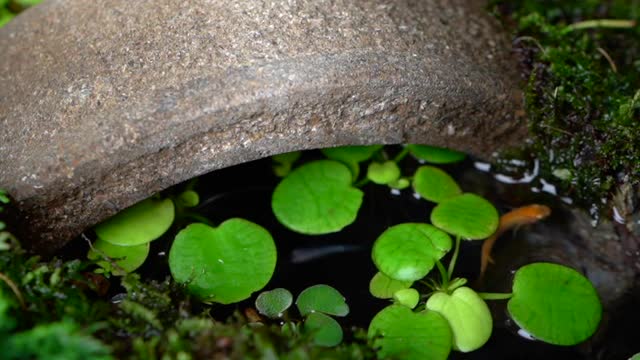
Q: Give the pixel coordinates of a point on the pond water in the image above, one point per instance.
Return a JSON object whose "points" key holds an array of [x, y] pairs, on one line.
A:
{"points": [[343, 260]]}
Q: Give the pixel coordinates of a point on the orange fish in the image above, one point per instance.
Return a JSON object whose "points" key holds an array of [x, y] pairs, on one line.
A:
{"points": [[521, 216]]}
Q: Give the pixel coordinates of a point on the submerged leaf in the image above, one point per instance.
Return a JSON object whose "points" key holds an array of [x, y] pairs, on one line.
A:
{"points": [[324, 329], [127, 258], [383, 287], [435, 155], [322, 298], [274, 302]]}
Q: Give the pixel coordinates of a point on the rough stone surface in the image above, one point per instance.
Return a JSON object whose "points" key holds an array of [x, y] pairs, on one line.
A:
{"points": [[103, 103]]}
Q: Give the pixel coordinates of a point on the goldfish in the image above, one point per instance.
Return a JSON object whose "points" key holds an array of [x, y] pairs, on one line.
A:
{"points": [[525, 215]]}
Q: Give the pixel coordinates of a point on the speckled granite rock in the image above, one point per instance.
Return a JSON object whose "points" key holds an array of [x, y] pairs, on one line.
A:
{"points": [[103, 103]]}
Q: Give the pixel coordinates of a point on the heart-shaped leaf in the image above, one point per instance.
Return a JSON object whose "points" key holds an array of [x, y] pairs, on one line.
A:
{"points": [[554, 303], [324, 329], [468, 216], [434, 184], [383, 287], [435, 155], [224, 264], [383, 173], [317, 198], [407, 252], [127, 258], [468, 316], [138, 224], [322, 298], [274, 303], [399, 333]]}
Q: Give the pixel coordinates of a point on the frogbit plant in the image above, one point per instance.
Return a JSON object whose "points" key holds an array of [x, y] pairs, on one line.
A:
{"points": [[316, 304], [323, 196]]}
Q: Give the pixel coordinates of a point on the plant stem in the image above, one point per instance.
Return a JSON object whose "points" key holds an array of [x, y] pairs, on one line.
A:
{"points": [[443, 274], [401, 155], [495, 296], [601, 23], [454, 258], [13, 288], [364, 181]]}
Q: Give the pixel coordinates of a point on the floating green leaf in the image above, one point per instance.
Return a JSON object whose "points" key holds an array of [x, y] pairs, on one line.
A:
{"points": [[434, 184], [468, 316], [407, 252], [189, 198], [127, 258], [224, 264], [554, 303], [399, 333], [138, 224], [383, 173], [322, 298], [324, 329], [273, 303], [383, 287], [435, 155], [407, 297], [468, 216], [349, 154], [317, 198]]}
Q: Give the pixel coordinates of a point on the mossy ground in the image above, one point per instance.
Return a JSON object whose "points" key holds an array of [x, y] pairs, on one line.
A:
{"points": [[582, 91]]}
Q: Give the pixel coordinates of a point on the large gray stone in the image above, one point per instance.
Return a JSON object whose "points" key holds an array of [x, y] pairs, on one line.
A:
{"points": [[103, 103]]}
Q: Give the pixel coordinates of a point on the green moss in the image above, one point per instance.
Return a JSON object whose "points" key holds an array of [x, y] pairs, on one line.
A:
{"points": [[583, 91]]}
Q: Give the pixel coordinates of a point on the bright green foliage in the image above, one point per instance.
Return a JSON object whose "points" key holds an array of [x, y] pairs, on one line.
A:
{"points": [[282, 163], [554, 303], [224, 264], [324, 330], [350, 154], [274, 303], [317, 198], [434, 184], [467, 314], [469, 216], [399, 333], [435, 155], [55, 341], [407, 252], [126, 258], [400, 184], [383, 287], [322, 298], [188, 198], [407, 297], [138, 224], [383, 173]]}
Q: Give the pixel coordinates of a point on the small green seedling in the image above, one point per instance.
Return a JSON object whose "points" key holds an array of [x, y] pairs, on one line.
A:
{"points": [[316, 304]]}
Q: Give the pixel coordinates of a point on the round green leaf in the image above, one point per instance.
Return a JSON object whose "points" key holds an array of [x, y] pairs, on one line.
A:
{"points": [[189, 198], [324, 329], [468, 316], [407, 252], [554, 303], [224, 264], [435, 155], [322, 298], [383, 287], [434, 184], [399, 333], [273, 303], [468, 215], [350, 154], [383, 173], [317, 198], [138, 224], [407, 297], [127, 258]]}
